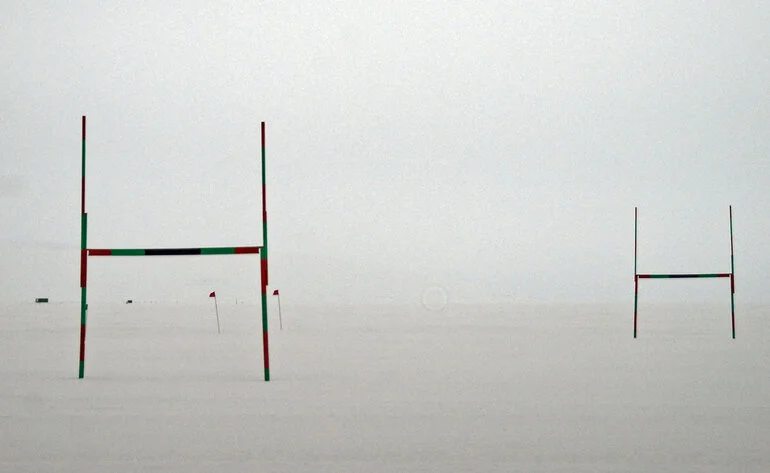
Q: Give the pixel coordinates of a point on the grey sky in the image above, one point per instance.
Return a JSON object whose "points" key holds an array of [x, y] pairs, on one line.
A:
{"points": [[494, 149]]}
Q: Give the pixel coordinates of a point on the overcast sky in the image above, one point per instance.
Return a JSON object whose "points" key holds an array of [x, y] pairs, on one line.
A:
{"points": [[485, 151]]}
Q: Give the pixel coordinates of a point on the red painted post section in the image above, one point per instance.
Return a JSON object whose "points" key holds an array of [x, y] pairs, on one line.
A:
{"points": [[82, 343], [83, 267], [263, 270]]}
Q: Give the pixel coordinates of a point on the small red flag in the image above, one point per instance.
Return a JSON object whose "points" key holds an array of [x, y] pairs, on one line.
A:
{"points": [[275, 293], [213, 294]]}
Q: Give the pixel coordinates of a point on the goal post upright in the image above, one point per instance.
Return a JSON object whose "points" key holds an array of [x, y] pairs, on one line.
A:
{"points": [[732, 272], [730, 275], [200, 251], [83, 254], [263, 264], [636, 276]]}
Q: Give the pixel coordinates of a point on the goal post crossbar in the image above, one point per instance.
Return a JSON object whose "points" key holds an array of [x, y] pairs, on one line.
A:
{"points": [[203, 251]]}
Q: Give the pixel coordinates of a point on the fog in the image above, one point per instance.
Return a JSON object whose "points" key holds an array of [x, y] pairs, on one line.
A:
{"points": [[484, 151]]}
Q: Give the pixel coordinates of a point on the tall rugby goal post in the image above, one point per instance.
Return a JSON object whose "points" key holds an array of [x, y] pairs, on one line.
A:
{"points": [[85, 252], [730, 275]]}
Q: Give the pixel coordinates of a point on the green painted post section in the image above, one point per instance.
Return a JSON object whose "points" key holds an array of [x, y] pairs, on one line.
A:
{"points": [[732, 309], [127, 252], [636, 301], [83, 231], [218, 251]]}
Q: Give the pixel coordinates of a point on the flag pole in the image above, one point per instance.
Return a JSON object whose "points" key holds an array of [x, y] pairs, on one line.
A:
{"points": [[280, 319], [216, 308]]}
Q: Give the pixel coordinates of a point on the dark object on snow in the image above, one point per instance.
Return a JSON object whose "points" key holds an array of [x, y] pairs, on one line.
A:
{"points": [[129, 301], [41, 300]]}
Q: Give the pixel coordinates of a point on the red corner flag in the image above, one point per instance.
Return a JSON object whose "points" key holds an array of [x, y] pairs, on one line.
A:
{"points": [[213, 294], [275, 293]]}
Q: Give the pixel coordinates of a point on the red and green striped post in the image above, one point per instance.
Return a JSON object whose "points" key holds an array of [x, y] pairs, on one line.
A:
{"points": [[636, 277], [263, 264], [732, 272], [83, 256]]}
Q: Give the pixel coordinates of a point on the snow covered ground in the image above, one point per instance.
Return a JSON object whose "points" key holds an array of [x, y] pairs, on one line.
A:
{"points": [[531, 388]]}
